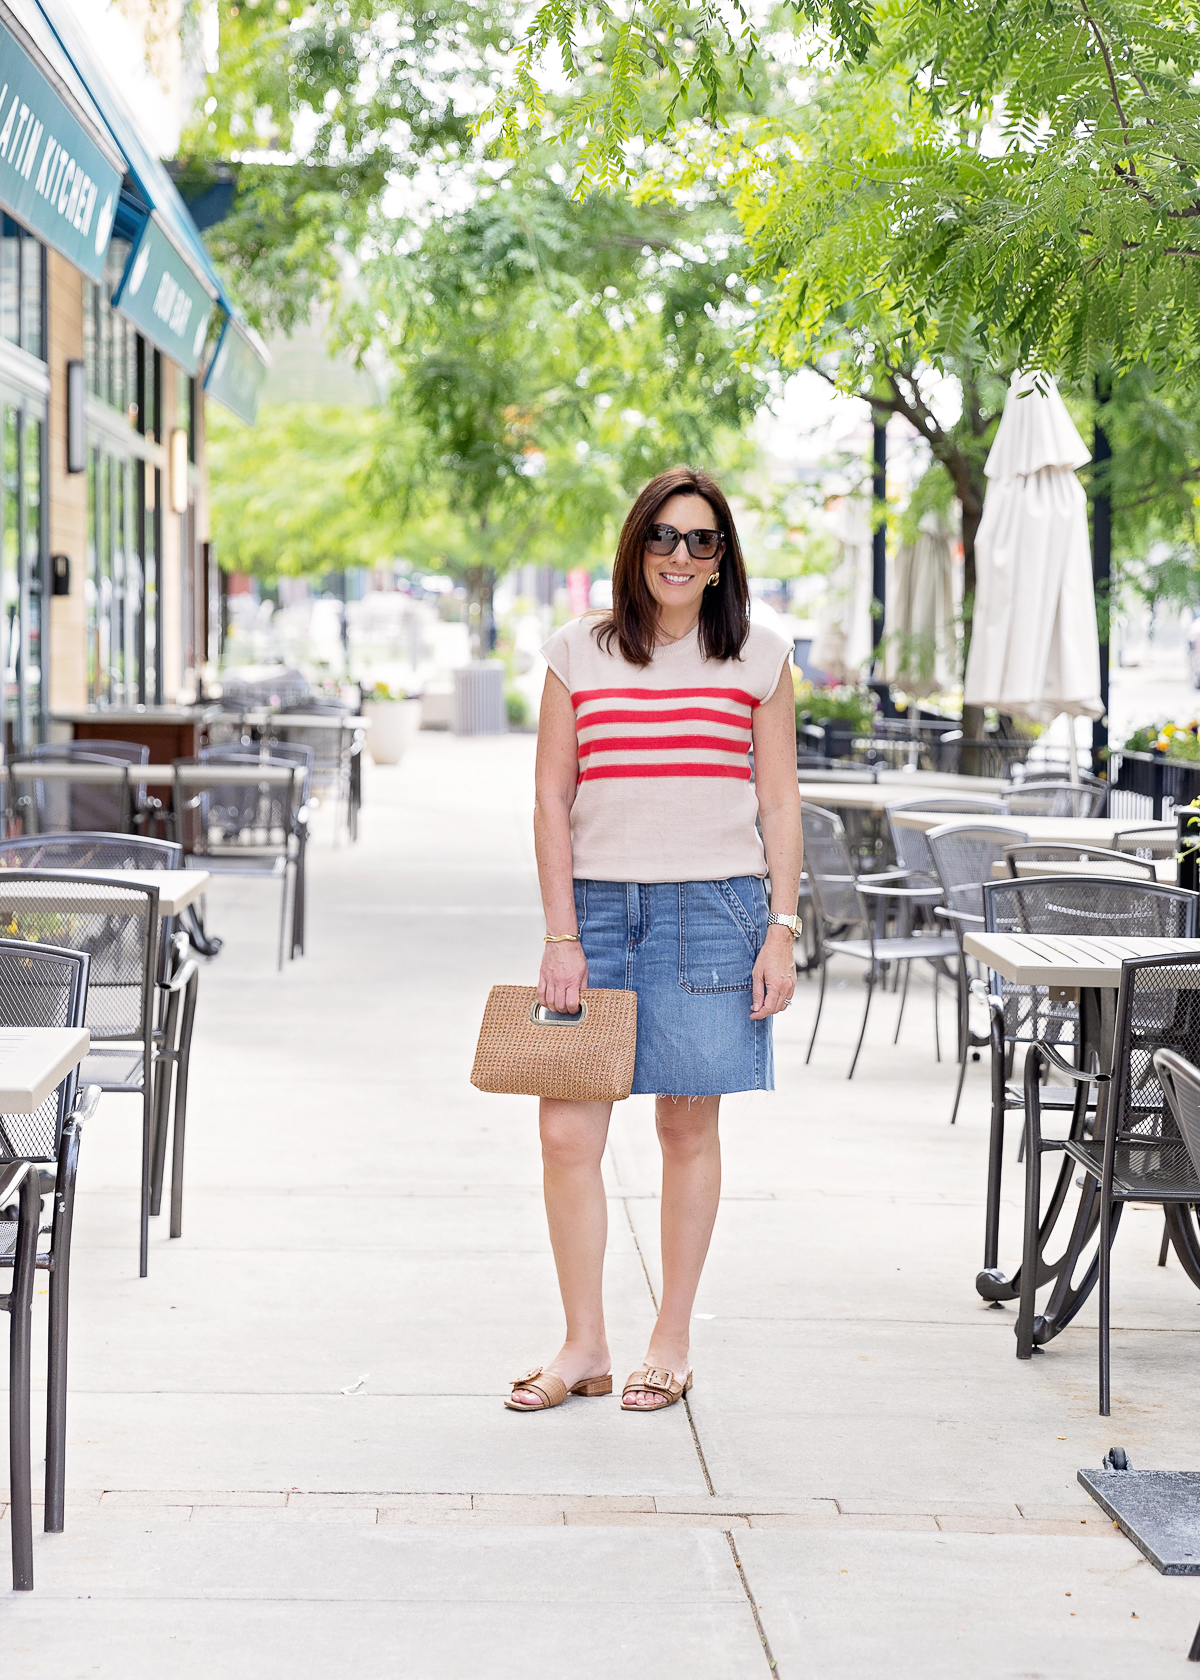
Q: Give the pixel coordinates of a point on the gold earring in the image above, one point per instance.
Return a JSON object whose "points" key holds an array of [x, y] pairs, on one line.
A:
{"points": [[714, 579]]}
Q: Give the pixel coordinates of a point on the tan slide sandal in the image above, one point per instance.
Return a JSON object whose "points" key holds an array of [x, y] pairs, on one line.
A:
{"points": [[655, 1379], [554, 1390]]}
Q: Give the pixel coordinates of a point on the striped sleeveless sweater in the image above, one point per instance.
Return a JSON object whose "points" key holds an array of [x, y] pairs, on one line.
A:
{"points": [[664, 791]]}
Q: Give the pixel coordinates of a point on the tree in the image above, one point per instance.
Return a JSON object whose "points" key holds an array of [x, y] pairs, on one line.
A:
{"points": [[550, 356], [291, 495]]}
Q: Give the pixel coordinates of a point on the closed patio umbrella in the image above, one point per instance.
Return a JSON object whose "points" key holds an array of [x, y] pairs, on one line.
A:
{"points": [[1034, 645], [920, 650]]}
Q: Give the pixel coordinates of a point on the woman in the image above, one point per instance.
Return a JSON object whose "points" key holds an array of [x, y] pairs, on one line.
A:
{"points": [[652, 876]]}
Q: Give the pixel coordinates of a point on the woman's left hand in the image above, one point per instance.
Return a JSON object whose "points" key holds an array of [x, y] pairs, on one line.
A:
{"points": [[774, 978]]}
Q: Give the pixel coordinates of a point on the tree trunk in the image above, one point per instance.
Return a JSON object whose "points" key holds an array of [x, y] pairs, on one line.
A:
{"points": [[972, 716], [481, 625]]}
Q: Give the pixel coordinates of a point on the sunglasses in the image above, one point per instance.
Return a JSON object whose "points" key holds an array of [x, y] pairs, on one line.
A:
{"points": [[701, 545]]}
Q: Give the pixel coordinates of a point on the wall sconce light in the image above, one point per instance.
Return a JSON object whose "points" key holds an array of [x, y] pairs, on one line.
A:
{"points": [[76, 450], [179, 471]]}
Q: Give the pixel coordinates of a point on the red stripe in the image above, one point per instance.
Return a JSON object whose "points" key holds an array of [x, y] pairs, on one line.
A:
{"points": [[685, 714], [599, 770], [738, 694], [663, 743]]}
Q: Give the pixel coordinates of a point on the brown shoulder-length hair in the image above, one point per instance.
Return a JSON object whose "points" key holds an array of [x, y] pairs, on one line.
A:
{"points": [[724, 608]]}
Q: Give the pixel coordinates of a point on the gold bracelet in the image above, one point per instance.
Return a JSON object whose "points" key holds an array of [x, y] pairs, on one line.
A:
{"points": [[557, 938]]}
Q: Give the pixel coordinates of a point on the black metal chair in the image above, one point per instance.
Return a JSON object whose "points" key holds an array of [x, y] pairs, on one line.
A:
{"points": [[1155, 843], [247, 820], [70, 791], [269, 752], [1054, 799], [1054, 905], [47, 988], [178, 983], [336, 746], [962, 859], [117, 926], [1039, 857], [848, 904], [18, 1243], [911, 845], [1136, 1152], [85, 850]]}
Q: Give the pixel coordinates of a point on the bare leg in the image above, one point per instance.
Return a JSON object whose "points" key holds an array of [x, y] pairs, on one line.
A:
{"points": [[573, 1139], [691, 1150]]}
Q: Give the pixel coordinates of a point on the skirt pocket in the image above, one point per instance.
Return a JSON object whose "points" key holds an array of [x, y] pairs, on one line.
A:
{"points": [[718, 938]]}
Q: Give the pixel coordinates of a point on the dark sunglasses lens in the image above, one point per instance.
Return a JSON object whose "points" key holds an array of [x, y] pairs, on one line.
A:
{"points": [[662, 539], [702, 545]]}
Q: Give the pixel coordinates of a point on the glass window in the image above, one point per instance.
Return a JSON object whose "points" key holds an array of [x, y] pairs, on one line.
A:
{"points": [[31, 582], [10, 282], [113, 589], [32, 265], [10, 574]]}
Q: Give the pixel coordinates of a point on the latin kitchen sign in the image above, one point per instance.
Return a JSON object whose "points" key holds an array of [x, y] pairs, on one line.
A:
{"points": [[53, 177], [164, 299]]}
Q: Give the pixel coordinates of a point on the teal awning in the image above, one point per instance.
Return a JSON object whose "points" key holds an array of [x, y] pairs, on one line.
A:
{"points": [[55, 177], [169, 273]]}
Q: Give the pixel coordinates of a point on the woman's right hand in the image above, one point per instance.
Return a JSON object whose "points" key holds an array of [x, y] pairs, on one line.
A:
{"points": [[564, 975]]}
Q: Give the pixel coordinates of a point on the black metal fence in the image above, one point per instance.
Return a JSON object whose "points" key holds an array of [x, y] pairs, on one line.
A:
{"points": [[1148, 786]]}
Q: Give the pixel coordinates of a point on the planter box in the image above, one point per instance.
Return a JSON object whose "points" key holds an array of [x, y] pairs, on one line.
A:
{"points": [[392, 725]]}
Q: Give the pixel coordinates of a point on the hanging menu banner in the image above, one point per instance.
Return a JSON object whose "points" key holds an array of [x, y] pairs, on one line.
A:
{"points": [[53, 177], [163, 298], [238, 370]]}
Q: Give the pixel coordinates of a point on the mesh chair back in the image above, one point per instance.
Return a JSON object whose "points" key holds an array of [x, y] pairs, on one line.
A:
{"points": [[1094, 906], [330, 747], [90, 851], [80, 793], [911, 845], [1054, 799], [42, 988], [224, 814], [117, 752], [1039, 857], [115, 925], [1180, 1081], [1147, 842], [830, 867], [276, 752], [963, 857], [1158, 1008]]}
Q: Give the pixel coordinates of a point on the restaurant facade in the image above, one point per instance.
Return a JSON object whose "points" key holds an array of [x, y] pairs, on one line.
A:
{"points": [[114, 327]]}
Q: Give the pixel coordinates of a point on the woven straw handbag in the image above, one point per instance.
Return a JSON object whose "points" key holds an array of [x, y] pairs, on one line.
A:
{"points": [[527, 1050]]}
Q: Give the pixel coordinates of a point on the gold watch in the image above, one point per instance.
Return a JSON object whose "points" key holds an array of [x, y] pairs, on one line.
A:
{"points": [[792, 922]]}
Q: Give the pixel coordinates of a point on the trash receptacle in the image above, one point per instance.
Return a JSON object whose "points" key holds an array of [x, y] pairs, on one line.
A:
{"points": [[479, 699]]}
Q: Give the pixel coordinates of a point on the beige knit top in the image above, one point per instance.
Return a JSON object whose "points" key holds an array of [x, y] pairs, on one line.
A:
{"points": [[664, 788]]}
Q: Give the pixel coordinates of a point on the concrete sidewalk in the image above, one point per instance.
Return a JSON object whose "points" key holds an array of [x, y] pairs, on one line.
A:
{"points": [[866, 1481]]}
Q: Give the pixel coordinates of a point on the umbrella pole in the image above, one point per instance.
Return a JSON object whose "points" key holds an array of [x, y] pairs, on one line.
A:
{"points": [[1073, 759]]}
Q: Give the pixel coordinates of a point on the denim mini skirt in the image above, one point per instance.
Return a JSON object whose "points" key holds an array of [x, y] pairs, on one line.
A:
{"points": [[687, 948]]}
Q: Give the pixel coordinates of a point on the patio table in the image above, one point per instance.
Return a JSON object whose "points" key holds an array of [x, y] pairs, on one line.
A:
{"points": [[894, 787], [33, 1060], [177, 888], [1087, 969], [1081, 831]]}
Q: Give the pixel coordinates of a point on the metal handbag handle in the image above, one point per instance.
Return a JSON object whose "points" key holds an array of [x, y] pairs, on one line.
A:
{"points": [[543, 1017]]}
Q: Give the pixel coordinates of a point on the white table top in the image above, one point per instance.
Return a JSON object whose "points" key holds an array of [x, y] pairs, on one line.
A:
{"points": [[32, 1062], [115, 775], [1038, 959], [1081, 831], [895, 788], [177, 888]]}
